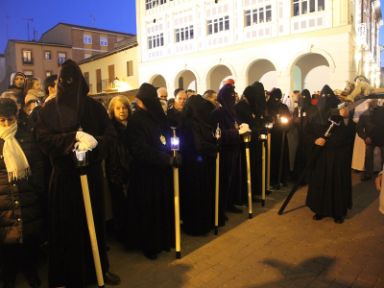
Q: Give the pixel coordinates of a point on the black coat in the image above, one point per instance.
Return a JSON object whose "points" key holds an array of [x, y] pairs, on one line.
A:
{"points": [[329, 179], [198, 169], [118, 169], [278, 138], [71, 262], [150, 193], [20, 202]]}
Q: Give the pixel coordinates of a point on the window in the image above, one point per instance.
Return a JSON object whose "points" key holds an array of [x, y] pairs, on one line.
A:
{"points": [[99, 86], [103, 41], [47, 55], [258, 15], [217, 25], [87, 39], [86, 77], [149, 4], [48, 73], [28, 73], [155, 41], [61, 57], [183, 34], [27, 57], [111, 73], [129, 68], [301, 7]]}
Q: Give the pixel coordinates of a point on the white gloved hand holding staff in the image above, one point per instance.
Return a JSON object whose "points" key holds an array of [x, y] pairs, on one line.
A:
{"points": [[85, 141]]}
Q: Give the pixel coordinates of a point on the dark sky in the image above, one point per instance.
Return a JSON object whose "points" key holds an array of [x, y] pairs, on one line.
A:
{"points": [[26, 20], [41, 15]]}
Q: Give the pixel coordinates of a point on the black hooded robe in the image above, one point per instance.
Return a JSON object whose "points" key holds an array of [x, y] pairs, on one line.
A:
{"points": [[329, 179], [150, 193], [70, 256], [198, 169]]}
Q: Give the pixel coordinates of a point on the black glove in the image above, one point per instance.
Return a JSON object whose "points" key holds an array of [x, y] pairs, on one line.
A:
{"points": [[175, 161]]}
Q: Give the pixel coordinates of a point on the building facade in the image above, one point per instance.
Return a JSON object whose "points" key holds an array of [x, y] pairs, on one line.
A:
{"points": [[113, 71], [291, 44], [36, 59], [85, 41]]}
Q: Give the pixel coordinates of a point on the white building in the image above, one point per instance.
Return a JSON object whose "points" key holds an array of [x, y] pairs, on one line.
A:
{"points": [[291, 44]]}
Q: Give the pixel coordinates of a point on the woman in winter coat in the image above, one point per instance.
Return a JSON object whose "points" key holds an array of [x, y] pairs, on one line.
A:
{"points": [[21, 185], [118, 162]]}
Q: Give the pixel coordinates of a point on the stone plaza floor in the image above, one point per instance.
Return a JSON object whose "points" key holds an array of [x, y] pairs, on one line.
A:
{"points": [[267, 251]]}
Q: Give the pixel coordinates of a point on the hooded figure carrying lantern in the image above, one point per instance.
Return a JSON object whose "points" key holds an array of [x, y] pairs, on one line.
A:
{"points": [[329, 176], [57, 131], [150, 194]]}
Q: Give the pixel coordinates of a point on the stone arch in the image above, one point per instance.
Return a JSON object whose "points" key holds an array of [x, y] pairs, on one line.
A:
{"points": [[216, 75], [186, 79], [310, 71], [158, 81], [264, 71]]}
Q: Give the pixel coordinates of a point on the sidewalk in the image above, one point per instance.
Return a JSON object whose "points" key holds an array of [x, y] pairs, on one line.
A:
{"points": [[288, 251]]}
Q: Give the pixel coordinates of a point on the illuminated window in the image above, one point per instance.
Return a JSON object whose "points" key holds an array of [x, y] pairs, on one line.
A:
{"points": [[87, 39], [27, 57], [217, 25], [258, 15], [47, 55], [61, 57], [302, 7], [184, 34]]}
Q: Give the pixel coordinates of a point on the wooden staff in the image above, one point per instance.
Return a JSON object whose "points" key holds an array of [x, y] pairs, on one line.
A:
{"points": [[263, 163], [247, 139], [176, 199], [217, 179], [91, 229], [269, 161]]}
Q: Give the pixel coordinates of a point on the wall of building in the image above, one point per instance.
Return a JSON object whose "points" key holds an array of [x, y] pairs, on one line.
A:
{"points": [[119, 60], [304, 51]]}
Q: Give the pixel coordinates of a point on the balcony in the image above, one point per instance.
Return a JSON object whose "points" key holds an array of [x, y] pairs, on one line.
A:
{"points": [[27, 61]]}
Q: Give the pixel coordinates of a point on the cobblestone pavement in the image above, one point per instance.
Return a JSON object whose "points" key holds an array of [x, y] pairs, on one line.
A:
{"points": [[267, 251]]}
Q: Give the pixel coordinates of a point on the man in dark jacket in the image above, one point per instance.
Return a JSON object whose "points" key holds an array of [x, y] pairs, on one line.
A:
{"points": [[371, 129], [57, 130]]}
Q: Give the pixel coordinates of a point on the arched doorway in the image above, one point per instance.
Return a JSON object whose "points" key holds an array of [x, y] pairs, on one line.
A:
{"points": [[186, 79], [158, 81], [216, 75], [263, 71], [310, 71]]}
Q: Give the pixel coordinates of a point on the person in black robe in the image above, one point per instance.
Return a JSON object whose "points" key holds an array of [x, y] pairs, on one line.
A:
{"points": [[198, 170], [301, 115], [279, 162], [230, 145], [329, 179], [251, 110], [57, 130], [150, 193]]}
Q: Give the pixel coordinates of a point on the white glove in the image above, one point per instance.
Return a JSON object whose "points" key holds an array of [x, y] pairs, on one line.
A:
{"points": [[85, 141], [244, 128]]}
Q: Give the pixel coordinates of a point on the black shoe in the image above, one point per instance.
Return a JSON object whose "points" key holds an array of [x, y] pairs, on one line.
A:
{"points": [[317, 217], [111, 279], [234, 209], [150, 256], [339, 220]]}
